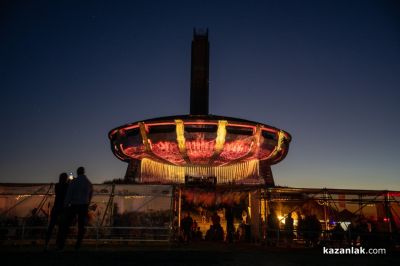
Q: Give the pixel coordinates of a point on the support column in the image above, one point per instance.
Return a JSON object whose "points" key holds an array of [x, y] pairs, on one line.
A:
{"points": [[179, 207], [325, 202], [388, 213], [254, 198]]}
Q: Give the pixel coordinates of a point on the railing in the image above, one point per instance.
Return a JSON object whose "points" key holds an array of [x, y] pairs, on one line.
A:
{"points": [[93, 233], [328, 238], [124, 234]]}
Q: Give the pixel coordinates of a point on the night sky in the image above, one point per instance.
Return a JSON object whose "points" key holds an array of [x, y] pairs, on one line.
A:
{"points": [[328, 72]]}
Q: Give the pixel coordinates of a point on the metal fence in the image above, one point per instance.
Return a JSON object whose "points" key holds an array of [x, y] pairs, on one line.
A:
{"points": [[116, 213], [149, 213]]}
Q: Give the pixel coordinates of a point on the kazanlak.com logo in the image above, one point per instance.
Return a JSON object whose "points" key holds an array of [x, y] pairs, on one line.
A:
{"points": [[354, 251]]}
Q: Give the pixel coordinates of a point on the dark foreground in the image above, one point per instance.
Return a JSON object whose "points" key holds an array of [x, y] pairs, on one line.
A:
{"points": [[193, 254]]}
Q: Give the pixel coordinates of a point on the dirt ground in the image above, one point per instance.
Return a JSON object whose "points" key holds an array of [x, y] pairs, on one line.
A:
{"points": [[185, 254]]}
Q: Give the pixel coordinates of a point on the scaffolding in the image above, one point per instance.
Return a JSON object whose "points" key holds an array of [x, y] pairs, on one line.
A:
{"points": [[122, 212]]}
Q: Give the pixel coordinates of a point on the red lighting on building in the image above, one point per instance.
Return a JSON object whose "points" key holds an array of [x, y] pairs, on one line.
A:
{"points": [[199, 145]]}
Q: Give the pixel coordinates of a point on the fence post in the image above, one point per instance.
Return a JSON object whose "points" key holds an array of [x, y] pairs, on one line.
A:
{"points": [[97, 233], [278, 238], [179, 207], [23, 230], [172, 215], [388, 213]]}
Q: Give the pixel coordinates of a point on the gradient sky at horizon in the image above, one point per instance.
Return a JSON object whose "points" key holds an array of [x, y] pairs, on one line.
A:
{"points": [[328, 72]]}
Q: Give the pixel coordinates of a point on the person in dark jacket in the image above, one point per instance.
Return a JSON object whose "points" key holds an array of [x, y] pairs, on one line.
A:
{"points": [[58, 207]]}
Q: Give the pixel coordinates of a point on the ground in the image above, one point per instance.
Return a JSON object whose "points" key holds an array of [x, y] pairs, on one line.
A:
{"points": [[191, 254]]}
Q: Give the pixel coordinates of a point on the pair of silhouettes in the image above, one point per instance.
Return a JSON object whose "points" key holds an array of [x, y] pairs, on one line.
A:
{"points": [[72, 201]]}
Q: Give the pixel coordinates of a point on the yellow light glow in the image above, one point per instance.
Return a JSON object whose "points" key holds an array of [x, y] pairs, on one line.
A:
{"points": [[256, 140], [281, 137], [152, 171], [21, 197], [180, 135], [221, 134], [278, 147], [143, 133], [135, 197], [257, 135]]}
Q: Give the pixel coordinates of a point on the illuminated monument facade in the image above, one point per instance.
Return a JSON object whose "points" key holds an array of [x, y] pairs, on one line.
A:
{"points": [[199, 147]]}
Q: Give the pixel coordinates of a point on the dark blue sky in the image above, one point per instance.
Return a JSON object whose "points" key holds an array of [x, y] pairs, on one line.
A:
{"points": [[328, 72]]}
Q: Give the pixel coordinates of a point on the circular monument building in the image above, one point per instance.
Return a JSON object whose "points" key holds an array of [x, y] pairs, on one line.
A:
{"points": [[199, 148]]}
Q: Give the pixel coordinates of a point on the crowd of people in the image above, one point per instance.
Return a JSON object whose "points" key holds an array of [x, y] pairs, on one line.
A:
{"points": [[309, 231], [190, 231], [369, 233]]}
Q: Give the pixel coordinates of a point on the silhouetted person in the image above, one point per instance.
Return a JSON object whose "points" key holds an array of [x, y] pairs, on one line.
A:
{"points": [[289, 229], [363, 232], [58, 207], [198, 234], [337, 234], [352, 231], [312, 230], [186, 225], [194, 228], [215, 219], [272, 229], [230, 229], [300, 226], [217, 232], [77, 202]]}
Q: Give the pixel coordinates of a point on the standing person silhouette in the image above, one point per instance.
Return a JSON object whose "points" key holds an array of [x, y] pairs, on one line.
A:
{"points": [[58, 207], [77, 202], [186, 224], [289, 229]]}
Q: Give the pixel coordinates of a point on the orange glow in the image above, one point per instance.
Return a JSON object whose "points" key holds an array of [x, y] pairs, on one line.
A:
{"points": [[215, 148], [200, 151]]}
